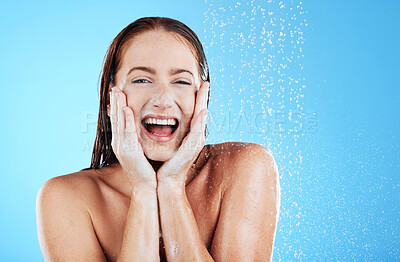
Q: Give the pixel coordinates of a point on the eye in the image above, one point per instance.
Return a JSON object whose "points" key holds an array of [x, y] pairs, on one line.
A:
{"points": [[183, 82], [140, 81]]}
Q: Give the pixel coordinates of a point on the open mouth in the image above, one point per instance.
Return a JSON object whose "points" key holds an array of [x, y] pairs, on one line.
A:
{"points": [[160, 127]]}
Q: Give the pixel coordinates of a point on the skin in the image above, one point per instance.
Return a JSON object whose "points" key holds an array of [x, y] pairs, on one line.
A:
{"points": [[156, 203]]}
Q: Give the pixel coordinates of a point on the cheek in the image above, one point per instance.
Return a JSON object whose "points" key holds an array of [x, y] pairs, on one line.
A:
{"points": [[135, 103], [189, 108]]}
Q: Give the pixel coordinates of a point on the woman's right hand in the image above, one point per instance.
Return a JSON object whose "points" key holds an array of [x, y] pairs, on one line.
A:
{"points": [[126, 146]]}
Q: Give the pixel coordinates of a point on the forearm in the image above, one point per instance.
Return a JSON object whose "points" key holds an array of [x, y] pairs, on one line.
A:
{"points": [[141, 234], [179, 228]]}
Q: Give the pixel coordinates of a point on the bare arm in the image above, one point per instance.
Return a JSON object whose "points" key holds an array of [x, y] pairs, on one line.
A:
{"points": [[180, 231], [141, 233], [140, 240], [250, 208], [179, 228]]}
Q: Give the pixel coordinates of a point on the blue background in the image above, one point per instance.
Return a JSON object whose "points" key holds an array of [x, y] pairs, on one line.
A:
{"points": [[317, 82]]}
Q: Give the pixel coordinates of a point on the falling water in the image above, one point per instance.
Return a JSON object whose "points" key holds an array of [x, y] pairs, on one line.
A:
{"points": [[254, 50]]}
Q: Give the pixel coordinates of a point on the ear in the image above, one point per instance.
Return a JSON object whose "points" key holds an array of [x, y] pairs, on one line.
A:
{"points": [[109, 100], [108, 110]]}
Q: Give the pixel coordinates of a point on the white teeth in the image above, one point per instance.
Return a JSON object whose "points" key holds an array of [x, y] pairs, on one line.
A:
{"points": [[154, 121]]}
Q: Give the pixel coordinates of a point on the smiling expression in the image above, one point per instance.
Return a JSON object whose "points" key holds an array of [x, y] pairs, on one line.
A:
{"points": [[159, 76]]}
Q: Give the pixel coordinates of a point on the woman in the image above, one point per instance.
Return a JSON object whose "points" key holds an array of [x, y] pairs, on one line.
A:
{"points": [[154, 191]]}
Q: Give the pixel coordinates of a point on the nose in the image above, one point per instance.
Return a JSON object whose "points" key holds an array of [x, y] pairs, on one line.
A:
{"points": [[162, 97]]}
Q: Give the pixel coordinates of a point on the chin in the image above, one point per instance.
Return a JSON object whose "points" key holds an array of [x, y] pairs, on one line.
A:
{"points": [[160, 154]]}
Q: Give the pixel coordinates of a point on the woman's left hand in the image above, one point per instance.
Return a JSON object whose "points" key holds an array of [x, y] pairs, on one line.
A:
{"points": [[176, 168]]}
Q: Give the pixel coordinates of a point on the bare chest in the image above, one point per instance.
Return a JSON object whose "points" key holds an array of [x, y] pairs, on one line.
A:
{"points": [[110, 212]]}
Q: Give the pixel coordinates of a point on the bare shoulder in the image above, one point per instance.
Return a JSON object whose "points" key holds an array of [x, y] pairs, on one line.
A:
{"points": [[240, 149], [250, 203], [64, 222], [71, 186], [243, 159]]}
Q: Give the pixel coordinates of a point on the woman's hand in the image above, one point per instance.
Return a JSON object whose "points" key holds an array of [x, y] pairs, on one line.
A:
{"points": [[126, 146], [177, 167]]}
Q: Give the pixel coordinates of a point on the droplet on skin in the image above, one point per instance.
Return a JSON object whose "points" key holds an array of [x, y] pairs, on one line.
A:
{"points": [[174, 248]]}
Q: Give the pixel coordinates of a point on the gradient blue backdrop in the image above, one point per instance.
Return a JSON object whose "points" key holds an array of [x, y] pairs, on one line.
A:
{"points": [[317, 82]]}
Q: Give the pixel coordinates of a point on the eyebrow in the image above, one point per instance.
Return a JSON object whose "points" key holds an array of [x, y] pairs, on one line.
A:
{"points": [[173, 71]]}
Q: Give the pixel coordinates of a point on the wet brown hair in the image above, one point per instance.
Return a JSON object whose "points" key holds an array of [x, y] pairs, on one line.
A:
{"points": [[103, 154]]}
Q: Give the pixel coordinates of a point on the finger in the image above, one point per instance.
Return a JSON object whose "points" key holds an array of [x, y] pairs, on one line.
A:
{"points": [[200, 124], [195, 138], [204, 114], [122, 98], [114, 122], [201, 98], [131, 137], [117, 89], [121, 118], [191, 145], [130, 127], [113, 112]]}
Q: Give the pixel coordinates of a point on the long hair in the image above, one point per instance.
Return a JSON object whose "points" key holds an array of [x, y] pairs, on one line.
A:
{"points": [[103, 154]]}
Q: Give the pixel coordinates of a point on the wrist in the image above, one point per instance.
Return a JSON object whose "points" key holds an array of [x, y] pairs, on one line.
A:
{"points": [[142, 182], [170, 185], [143, 193], [170, 179]]}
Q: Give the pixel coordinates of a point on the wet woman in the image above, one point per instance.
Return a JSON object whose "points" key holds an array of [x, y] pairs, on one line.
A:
{"points": [[154, 191]]}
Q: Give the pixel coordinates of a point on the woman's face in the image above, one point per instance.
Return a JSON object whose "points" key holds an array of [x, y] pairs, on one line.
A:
{"points": [[159, 76]]}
